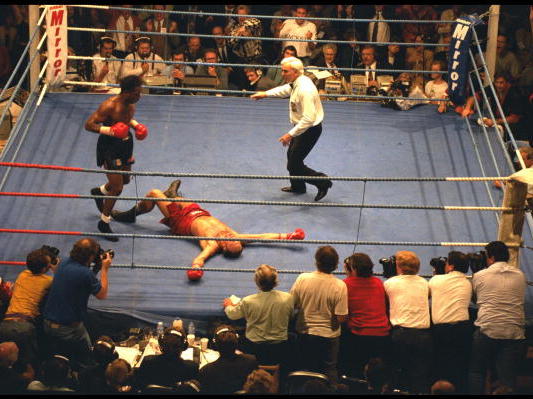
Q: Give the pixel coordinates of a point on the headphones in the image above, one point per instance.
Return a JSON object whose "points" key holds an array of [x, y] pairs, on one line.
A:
{"points": [[143, 39], [110, 355], [104, 39], [223, 330], [182, 338]]}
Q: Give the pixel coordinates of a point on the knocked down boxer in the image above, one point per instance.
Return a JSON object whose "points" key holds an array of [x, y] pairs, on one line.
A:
{"points": [[188, 219]]}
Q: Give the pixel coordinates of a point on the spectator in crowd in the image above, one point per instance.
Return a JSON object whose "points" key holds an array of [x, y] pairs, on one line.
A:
{"points": [[418, 58], [21, 321], [321, 300], [285, 12], [338, 28], [368, 323], [55, 376], [506, 61], [498, 341], [328, 59], [179, 71], [379, 377], [247, 51], [512, 104], [124, 20], [12, 382], [193, 50], [442, 387], [437, 87], [408, 296], [66, 307], [444, 30], [105, 71], [118, 376], [92, 380], [349, 54], [223, 50], [368, 62], [220, 73], [267, 316], [167, 368], [228, 373], [135, 63], [299, 29], [410, 31], [259, 382], [163, 44], [273, 73], [257, 81], [324, 28], [379, 31], [452, 330], [395, 57]]}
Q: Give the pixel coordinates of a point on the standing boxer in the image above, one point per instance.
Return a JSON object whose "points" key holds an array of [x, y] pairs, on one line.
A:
{"points": [[114, 150]]}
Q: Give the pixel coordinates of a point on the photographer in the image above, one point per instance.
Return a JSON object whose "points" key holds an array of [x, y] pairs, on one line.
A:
{"points": [[499, 339], [21, 319], [409, 315], [66, 307], [452, 330]]}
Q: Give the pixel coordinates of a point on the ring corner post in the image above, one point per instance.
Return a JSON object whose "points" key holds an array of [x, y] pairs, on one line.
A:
{"points": [[512, 221]]}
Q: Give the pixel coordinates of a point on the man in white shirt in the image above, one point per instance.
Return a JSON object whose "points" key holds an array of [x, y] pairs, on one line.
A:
{"points": [[452, 330], [106, 71], [499, 339], [408, 296], [267, 315], [135, 62], [299, 29], [378, 31], [322, 301], [306, 114], [125, 21]]}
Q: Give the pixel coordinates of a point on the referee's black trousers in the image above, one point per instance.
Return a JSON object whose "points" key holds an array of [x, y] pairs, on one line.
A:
{"points": [[299, 148]]}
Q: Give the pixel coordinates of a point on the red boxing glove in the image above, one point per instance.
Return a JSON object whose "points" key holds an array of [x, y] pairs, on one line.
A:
{"points": [[195, 274], [141, 131], [120, 130], [298, 234]]}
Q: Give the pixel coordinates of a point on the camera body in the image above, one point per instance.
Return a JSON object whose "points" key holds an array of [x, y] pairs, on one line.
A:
{"points": [[476, 261], [52, 252], [438, 264], [389, 266], [100, 256]]}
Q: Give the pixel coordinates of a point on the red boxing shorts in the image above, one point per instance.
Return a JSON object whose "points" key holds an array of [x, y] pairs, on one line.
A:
{"points": [[180, 219]]}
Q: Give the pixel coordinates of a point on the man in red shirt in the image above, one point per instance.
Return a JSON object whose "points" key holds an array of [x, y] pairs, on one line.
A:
{"points": [[368, 323]]}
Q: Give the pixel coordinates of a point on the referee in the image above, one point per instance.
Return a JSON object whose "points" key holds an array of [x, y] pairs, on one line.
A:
{"points": [[306, 114]]}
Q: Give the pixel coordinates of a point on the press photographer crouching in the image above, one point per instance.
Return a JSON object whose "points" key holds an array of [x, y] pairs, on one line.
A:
{"points": [[22, 318], [66, 307], [412, 346], [451, 293]]}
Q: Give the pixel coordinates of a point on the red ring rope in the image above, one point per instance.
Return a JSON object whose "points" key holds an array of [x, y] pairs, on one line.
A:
{"points": [[38, 166], [14, 194], [66, 233], [12, 262]]}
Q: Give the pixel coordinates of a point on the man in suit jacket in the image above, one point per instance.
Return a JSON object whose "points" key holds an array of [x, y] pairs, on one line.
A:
{"points": [[221, 73], [369, 61]]}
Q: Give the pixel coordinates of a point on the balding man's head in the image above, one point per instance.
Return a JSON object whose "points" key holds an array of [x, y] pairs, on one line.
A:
{"points": [[9, 354], [407, 262], [84, 251]]}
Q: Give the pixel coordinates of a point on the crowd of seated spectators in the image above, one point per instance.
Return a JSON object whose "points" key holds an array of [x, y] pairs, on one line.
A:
{"points": [[326, 335], [516, 31]]}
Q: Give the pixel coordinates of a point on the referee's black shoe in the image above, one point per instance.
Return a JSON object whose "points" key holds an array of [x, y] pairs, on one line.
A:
{"points": [[322, 191], [289, 189]]}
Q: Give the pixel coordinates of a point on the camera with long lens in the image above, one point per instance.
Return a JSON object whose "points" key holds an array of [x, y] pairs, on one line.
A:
{"points": [[438, 264], [389, 266], [52, 252], [477, 261], [100, 256]]}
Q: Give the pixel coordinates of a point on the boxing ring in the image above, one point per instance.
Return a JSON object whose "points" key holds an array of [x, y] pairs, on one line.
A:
{"points": [[213, 136]]}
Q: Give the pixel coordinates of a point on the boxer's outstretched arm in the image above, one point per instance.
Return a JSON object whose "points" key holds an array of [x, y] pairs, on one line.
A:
{"points": [[210, 249]]}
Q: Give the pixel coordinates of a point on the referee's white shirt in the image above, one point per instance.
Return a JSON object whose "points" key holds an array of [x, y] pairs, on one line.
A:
{"points": [[450, 296], [409, 301], [305, 108]]}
